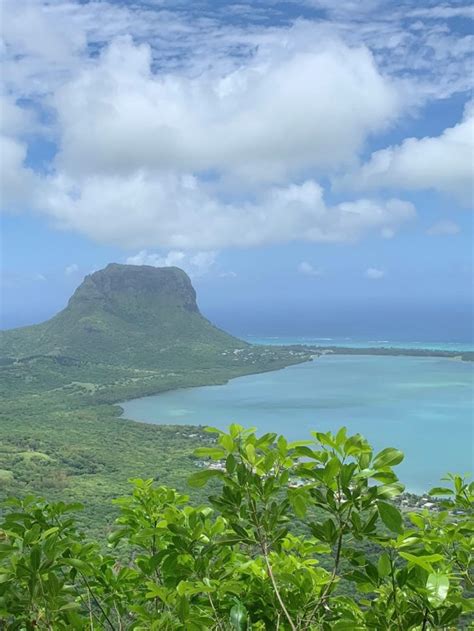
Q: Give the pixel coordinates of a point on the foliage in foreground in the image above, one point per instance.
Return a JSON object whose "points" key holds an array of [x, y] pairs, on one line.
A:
{"points": [[238, 563]]}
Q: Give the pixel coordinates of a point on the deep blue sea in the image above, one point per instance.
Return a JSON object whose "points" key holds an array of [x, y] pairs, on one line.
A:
{"points": [[421, 405]]}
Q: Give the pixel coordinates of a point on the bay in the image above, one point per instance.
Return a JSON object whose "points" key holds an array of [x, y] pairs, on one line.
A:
{"points": [[421, 405]]}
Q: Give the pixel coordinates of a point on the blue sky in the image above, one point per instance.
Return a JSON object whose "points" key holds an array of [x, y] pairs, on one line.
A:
{"points": [[308, 163]]}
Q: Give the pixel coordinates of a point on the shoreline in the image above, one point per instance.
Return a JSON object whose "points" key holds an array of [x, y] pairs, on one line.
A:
{"points": [[145, 418], [316, 352], [393, 351]]}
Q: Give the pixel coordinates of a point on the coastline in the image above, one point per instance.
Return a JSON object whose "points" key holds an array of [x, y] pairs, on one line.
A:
{"points": [[467, 356], [258, 398], [316, 351]]}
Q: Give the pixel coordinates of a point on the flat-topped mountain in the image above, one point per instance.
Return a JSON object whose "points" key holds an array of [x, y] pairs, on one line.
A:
{"points": [[137, 291], [130, 315]]}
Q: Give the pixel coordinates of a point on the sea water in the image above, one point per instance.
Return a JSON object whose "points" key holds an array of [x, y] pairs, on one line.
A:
{"points": [[350, 342], [421, 405]]}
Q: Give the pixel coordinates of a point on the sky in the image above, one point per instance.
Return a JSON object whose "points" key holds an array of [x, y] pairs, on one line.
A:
{"points": [[308, 163]]}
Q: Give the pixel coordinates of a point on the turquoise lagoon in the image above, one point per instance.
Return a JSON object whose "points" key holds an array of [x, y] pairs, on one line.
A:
{"points": [[422, 405], [350, 342]]}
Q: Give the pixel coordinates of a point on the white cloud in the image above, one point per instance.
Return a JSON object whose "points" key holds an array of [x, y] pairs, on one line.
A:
{"points": [[15, 120], [195, 264], [133, 145], [418, 43], [444, 227], [291, 106], [45, 42], [18, 184], [145, 211], [442, 12], [443, 163], [71, 269], [230, 274], [308, 270], [39, 277], [184, 132], [374, 273]]}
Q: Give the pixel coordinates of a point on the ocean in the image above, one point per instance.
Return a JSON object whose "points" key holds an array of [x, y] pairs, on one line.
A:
{"points": [[350, 342], [421, 405]]}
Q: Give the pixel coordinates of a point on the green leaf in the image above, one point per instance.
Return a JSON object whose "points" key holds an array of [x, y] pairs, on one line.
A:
{"points": [[298, 501], [341, 436], [384, 566], [299, 443], [213, 430], [282, 445], [250, 452], [76, 563], [391, 517], [387, 491], [201, 478], [239, 617], [441, 490], [35, 558], [388, 458], [235, 430], [438, 587], [387, 477], [423, 561], [230, 463], [347, 471], [49, 532], [209, 452], [332, 469], [303, 451], [324, 439], [417, 520], [227, 442]]}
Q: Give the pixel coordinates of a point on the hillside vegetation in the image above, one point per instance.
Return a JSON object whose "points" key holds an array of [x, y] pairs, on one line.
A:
{"points": [[128, 331]]}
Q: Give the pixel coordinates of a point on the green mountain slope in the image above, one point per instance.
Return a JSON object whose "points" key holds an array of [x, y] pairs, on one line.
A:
{"points": [[128, 315], [127, 332]]}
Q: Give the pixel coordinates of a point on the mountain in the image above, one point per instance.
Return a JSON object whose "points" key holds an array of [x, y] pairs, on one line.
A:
{"points": [[129, 315]]}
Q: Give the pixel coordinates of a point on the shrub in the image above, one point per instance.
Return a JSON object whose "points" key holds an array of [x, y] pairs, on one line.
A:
{"points": [[296, 536]]}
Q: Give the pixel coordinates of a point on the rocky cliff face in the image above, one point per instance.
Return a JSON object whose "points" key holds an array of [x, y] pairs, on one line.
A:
{"points": [[135, 289]]}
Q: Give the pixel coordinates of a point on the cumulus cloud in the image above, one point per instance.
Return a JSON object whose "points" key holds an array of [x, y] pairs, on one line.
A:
{"points": [[443, 163], [291, 106], [71, 269], [146, 211], [443, 228], [374, 273], [307, 269], [195, 264], [135, 148], [218, 137]]}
